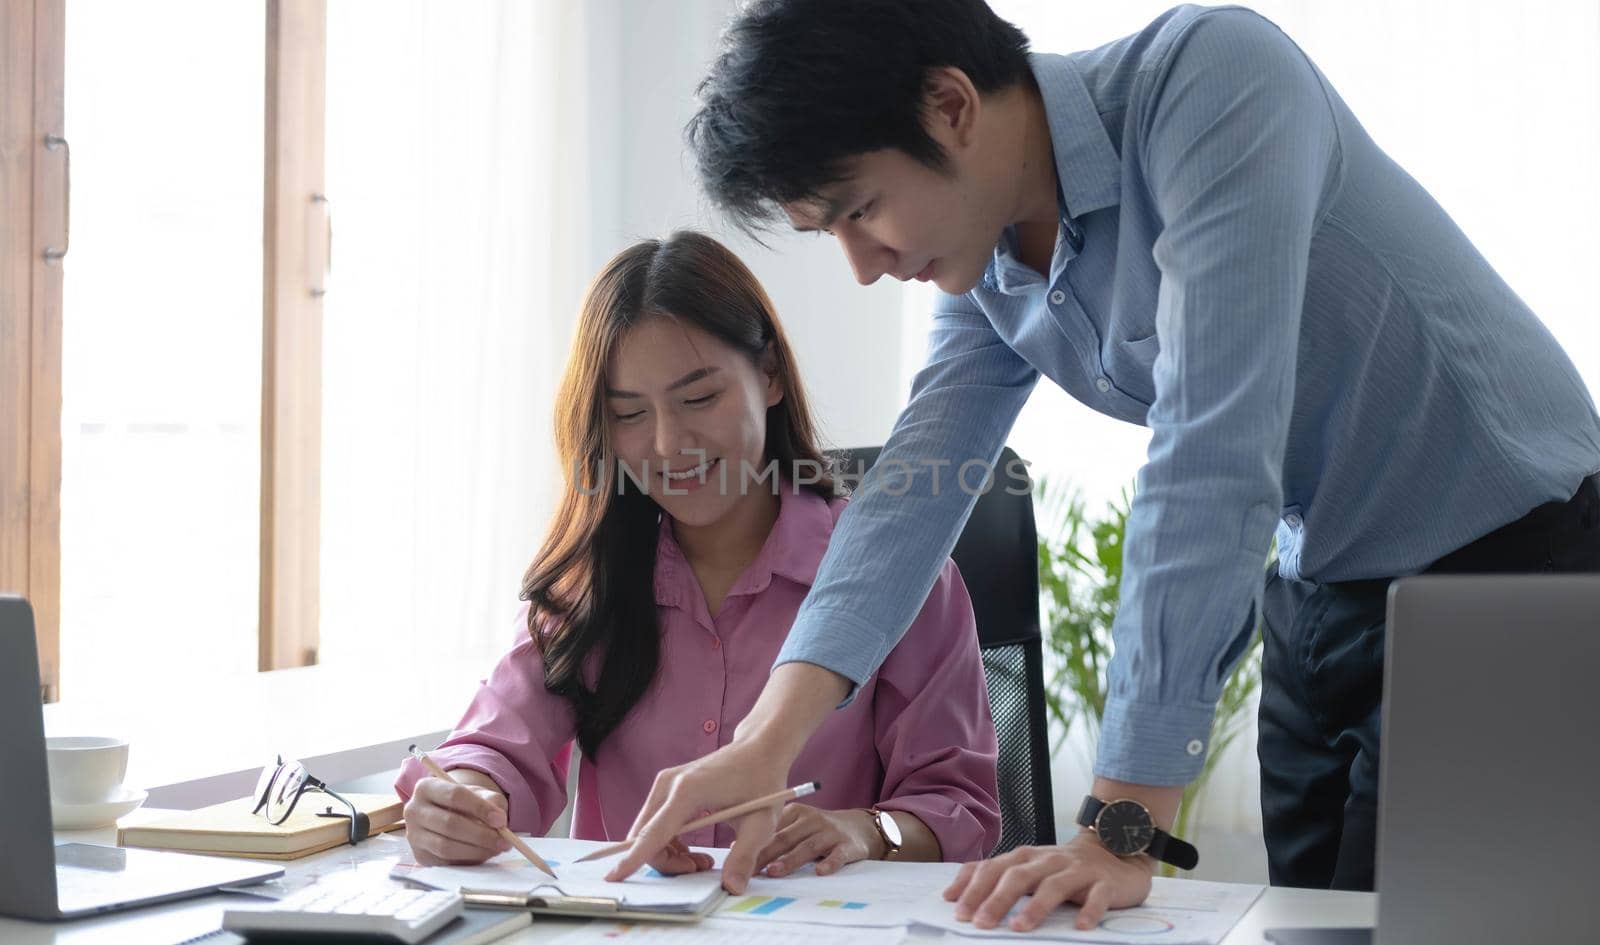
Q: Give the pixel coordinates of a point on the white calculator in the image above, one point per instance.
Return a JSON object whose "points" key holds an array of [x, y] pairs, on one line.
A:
{"points": [[367, 910]]}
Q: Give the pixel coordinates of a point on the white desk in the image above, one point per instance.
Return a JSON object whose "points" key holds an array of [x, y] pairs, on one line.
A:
{"points": [[170, 923]]}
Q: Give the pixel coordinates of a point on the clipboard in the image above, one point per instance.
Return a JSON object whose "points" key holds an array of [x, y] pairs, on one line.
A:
{"points": [[548, 899], [508, 883]]}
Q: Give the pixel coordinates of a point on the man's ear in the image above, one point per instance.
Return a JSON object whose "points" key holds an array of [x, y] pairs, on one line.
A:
{"points": [[769, 370], [951, 104]]}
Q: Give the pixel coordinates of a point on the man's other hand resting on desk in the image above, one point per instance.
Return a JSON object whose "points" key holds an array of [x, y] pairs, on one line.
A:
{"points": [[1078, 871]]}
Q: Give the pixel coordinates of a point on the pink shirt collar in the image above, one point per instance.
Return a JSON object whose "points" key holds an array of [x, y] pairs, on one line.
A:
{"points": [[793, 550]]}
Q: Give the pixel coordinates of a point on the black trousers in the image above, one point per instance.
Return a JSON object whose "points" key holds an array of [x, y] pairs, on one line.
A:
{"points": [[1322, 689]]}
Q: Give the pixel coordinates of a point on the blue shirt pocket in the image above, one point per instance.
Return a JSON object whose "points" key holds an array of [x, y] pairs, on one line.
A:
{"points": [[1130, 366]]}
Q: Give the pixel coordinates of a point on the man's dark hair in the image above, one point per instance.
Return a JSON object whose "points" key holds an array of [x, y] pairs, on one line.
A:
{"points": [[803, 86]]}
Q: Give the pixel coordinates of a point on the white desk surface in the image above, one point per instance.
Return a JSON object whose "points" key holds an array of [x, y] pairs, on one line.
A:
{"points": [[170, 923]]}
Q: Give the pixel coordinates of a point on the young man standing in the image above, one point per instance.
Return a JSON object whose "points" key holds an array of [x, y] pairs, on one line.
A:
{"points": [[1188, 229]]}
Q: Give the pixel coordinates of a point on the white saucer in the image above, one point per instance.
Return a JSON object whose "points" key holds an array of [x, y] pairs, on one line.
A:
{"points": [[99, 814]]}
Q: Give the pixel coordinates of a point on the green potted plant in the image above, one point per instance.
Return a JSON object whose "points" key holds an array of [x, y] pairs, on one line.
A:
{"points": [[1080, 583]]}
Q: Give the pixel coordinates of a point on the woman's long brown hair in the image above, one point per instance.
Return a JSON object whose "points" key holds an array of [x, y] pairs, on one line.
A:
{"points": [[592, 584]]}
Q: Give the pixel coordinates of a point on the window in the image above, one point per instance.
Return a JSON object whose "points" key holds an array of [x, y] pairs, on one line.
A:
{"points": [[148, 345], [161, 353], [199, 384]]}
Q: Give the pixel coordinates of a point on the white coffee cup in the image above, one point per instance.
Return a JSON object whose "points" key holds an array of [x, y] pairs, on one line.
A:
{"points": [[86, 769]]}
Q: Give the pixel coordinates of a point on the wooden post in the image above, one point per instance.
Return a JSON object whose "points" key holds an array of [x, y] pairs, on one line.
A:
{"points": [[296, 225], [34, 166]]}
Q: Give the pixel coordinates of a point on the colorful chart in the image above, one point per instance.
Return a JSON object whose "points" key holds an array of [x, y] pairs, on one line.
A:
{"points": [[759, 905], [1136, 924], [767, 905]]}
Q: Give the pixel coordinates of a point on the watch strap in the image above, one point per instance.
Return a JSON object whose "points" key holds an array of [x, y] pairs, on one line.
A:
{"points": [[1163, 846], [1169, 849], [1091, 808]]}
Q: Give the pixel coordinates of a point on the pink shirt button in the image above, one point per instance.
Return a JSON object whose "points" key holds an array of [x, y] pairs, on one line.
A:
{"points": [[716, 644], [709, 726]]}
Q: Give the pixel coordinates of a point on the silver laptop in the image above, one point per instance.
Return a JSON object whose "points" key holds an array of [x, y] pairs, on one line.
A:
{"points": [[40, 880], [1488, 823]]}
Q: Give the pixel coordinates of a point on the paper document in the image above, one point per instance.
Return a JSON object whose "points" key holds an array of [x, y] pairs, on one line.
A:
{"points": [[508, 873], [1178, 912], [865, 894], [864, 899], [715, 931]]}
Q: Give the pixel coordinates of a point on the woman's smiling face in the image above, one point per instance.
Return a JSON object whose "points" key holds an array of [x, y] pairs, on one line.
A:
{"points": [[687, 414]]}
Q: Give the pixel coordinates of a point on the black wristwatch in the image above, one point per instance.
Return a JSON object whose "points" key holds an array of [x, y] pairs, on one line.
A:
{"points": [[1126, 828]]}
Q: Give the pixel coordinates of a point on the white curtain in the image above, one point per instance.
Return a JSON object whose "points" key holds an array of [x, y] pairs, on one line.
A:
{"points": [[1493, 106], [457, 177]]}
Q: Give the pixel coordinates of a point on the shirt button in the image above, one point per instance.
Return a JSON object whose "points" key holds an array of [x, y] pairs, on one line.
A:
{"points": [[1057, 297], [1195, 747], [716, 644], [1102, 385], [710, 725], [1292, 520]]}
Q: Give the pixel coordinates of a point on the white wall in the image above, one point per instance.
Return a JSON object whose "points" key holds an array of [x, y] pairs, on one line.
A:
{"points": [[646, 59]]}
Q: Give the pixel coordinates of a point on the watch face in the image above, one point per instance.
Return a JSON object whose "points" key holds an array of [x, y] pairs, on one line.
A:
{"points": [[891, 829], [1125, 827]]}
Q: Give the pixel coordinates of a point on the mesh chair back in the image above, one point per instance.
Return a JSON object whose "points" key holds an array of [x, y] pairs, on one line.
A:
{"points": [[999, 561]]}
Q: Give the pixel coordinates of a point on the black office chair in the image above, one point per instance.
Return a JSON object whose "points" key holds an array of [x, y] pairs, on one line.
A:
{"points": [[999, 560]]}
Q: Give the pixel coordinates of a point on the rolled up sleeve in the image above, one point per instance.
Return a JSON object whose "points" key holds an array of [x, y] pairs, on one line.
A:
{"points": [[516, 732]]}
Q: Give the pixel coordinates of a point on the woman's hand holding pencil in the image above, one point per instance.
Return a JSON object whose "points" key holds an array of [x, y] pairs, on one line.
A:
{"points": [[448, 821]]}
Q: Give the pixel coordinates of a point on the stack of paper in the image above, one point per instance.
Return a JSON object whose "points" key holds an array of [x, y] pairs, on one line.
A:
{"points": [[1178, 912], [867, 898], [722, 932], [887, 895]]}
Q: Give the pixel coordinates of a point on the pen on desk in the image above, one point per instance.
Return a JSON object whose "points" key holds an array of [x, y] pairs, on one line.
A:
{"points": [[716, 817], [511, 838]]}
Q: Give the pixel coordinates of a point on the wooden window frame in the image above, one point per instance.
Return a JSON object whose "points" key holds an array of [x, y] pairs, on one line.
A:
{"points": [[33, 237], [297, 242], [34, 233]]}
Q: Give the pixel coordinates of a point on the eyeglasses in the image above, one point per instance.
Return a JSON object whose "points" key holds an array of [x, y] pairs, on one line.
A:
{"points": [[280, 787]]}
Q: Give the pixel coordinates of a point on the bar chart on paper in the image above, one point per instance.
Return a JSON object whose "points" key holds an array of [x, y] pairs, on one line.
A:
{"points": [[769, 905], [721, 932], [862, 895], [812, 910]]}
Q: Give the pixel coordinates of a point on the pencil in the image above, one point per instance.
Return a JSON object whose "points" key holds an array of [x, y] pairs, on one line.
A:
{"points": [[505, 832], [738, 810]]}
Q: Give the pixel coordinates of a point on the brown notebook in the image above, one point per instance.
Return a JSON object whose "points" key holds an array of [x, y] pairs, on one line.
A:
{"points": [[231, 829]]}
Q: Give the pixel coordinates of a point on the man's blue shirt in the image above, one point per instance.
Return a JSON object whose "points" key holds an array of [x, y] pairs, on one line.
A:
{"points": [[1319, 352]]}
